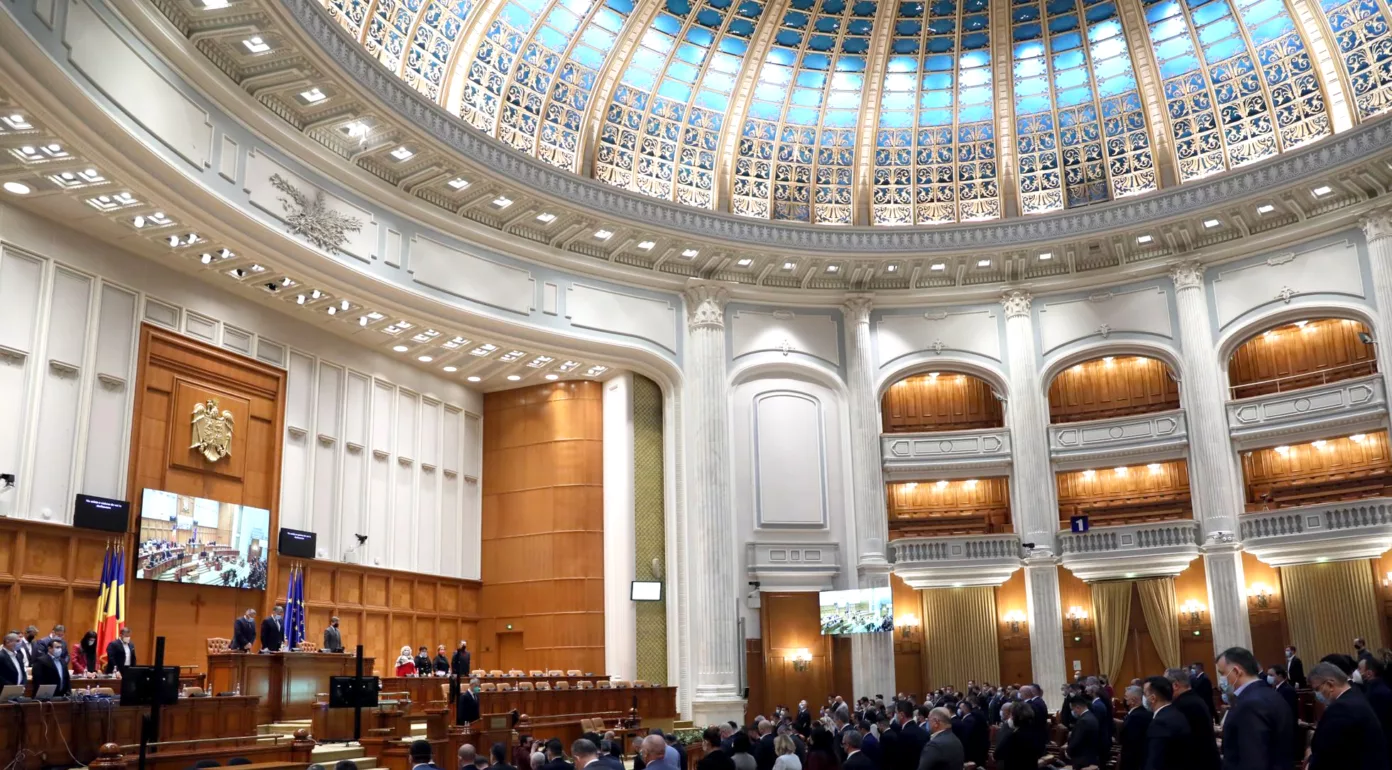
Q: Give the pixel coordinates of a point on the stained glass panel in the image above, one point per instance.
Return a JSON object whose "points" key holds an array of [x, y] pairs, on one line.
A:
{"points": [[1364, 39]]}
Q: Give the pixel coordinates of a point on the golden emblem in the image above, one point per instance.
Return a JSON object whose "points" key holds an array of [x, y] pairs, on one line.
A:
{"points": [[212, 431]]}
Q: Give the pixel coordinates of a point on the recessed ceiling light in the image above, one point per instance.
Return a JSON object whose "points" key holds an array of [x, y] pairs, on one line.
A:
{"points": [[646, 245], [425, 359], [891, 268], [746, 262], [256, 44], [938, 267], [689, 253], [402, 153], [331, 310], [316, 294], [313, 96], [1211, 223], [400, 348], [258, 269], [299, 300], [205, 258], [1144, 239], [1322, 190], [514, 377], [344, 305], [214, 5], [1265, 208], [833, 268], [502, 201], [17, 188], [603, 235], [983, 263], [474, 378], [546, 217], [356, 129], [789, 265], [362, 320], [1045, 256], [459, 183], [553, 376], [451, 369]]}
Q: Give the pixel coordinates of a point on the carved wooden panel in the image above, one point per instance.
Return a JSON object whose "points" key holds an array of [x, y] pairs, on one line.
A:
{"points": [[942, 401], [1298, 355], [791, 625], [46, 555], [401, 592], [973, 506], [375, 590], [1112, 387], [1324, 471], [1126, 494]]}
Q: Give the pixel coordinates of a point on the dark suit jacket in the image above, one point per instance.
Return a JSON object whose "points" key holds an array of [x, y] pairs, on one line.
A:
{"points": [[718, 759], [1102, 708], [459, 664], [12, 668], [1202, 744], [1015, 750], [116, 656], [467, 709], [1133, 739], [976, 738], [1256, 732], [47, 670], [1168, 744], [1203, 687], [44, 644], [557, 764], [1084, 740], [1287, 693], [912, 739], [764, 754], [1295, 671], [1379, 696], [272, 634], [333, 640], [859, 761], [1349, 736], [942, 752], [243, 634], [1040, 723], [803, 721]]}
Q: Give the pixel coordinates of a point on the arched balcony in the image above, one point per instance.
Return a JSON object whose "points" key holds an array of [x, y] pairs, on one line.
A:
{"points": [[1113, 411]]}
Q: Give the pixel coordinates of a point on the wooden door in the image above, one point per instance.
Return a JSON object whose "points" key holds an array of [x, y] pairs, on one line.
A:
{"points": [[511, 653]]}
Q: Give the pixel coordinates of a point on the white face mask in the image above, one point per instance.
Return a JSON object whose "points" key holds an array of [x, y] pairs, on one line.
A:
{"points": [[1271, 680], [1010, 723], [1357, 677]]}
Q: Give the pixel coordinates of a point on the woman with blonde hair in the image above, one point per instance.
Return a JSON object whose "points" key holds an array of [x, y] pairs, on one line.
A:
{"points": [[405, 663], [786, 750]]}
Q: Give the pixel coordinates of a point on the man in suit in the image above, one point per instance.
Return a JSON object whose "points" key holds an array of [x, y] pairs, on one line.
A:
{"points": [[674, 745], [1133, 730], [803, 721], [459, 663], [586, 753], [50, 669], [942, 751], [422, 756], [856, 759], [1168, 744], [498, 753], [467, 756], [466, 708], [1187, 703], [11, 662], [764, 753], [1257, 729], [1295, 669], [912, 738], [1101, 707], [555, 757], [1379, 695], [654, 750], [45, 643], [273, 630], [1360, 648], [1202, 686], [1349, 736], [1035, 699], [1083, 740], [120, 653], [27, 645], [973, 732], [333, 640], [716, 758], [1276, 677], [244, 631], [610, 755]]}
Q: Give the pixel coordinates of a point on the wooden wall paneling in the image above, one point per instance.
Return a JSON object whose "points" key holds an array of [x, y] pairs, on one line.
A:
{"points": [[1302, 474], [542, 523], [49, 574], [1382, 568], [1112, 387], [1078, 651], [947, 401], [1292, 356], [842, 682], [1126, 494], [1192, 583], [754, 665], [971, 506], [1014, 646], [791, 624], [908, 639], [1270, 633]]}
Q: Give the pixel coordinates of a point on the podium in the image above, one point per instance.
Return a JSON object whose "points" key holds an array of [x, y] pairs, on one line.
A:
{"points": [[287, 683]]}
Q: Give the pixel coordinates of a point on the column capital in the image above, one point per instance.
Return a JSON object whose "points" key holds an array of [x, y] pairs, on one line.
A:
{"points": [[1016, 303], [705, 304], [1377, 224], [857, 307], [1187, 275]]}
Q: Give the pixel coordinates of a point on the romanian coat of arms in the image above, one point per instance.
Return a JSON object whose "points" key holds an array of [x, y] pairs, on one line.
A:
{"points": [[212, 431]]}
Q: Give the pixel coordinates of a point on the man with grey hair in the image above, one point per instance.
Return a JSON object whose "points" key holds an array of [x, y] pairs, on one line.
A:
{"points": [[654, 751], [764, 753], [467, 756], [851, 741], [1133, 730], [943, 751], [538, 759], [585, 752], [1191, 706], [11, 662], [1349, 736]]}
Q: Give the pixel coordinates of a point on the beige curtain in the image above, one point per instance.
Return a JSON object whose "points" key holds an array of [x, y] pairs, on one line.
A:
{"points": [[1111, 609], [959, 636], [1327, 605], [1161, 617]]}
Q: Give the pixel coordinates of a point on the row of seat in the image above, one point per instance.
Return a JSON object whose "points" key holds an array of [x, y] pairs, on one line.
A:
{"points": [[584, 684], [534, 673]]}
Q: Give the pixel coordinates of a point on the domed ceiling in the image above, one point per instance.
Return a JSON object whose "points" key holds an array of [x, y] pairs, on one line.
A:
{"points": [[890, 113]]}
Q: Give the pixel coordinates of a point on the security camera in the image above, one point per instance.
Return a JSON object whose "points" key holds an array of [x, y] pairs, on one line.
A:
{"points": [[1027, 546], [361, 538], [1365, 338], [7, 480]]}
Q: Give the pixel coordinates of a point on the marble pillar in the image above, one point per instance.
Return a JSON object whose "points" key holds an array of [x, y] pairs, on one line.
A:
{"points": [[1377, 228]]}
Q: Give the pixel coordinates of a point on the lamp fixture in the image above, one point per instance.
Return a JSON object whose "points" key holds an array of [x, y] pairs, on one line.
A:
{"points": [[690, 253], [451, 369], [1015, 619], [513, 377], [400, 348], [802, 660], [1260, 594], [906, 625], [1209, 224], [1144, 239], [17, 188], [313, 96], [746, 262], [546, 217], [403, 153]]}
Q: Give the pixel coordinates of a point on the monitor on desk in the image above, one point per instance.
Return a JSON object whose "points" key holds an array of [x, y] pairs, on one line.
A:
{"points": [[140, 688], [10, 692], [45, 692], [346, 692]]}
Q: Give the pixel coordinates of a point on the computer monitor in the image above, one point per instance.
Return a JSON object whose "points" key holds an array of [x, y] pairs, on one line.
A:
{"points": [[140, 688], [100, 513], [346, 692], [297, 544]]}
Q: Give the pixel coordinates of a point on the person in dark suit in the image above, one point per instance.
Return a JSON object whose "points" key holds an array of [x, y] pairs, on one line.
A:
{"points": [[11, 661], [942, 751], [654, 750], [459, 663], [1257, 729], [273, 630], [498, 754], [1133, 730], [1202, 686], [1276, 677], [974, 733], [466, 707], [1083, 740], [1360, 649], [50, 669], [120, 652], [555, 757], [1202, 744], [1349, 736], [46, 643], [764, 753], [1167, 737], [1101, 707], [851, 741], [422, 756], [244, 632], [1379, 695], [1015, 746], [803, 721], [912, 738], [1295, 669], [1035, 698], [715, 758], [333, 640]]}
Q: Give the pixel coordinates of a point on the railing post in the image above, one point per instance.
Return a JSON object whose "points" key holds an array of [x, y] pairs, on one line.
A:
{"points": [[109, 757]]}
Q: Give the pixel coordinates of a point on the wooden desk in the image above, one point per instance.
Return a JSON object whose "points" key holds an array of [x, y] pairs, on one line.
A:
{"points": [[287, 683], [653, 703]]}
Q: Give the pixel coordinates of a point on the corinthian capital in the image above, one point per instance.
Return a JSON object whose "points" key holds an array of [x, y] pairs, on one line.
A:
{"points": [[857, 308], [705, 304], [1187, 275], [1377, 224], [1017, 303]]}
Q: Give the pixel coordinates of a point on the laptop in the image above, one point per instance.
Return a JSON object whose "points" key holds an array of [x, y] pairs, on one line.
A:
{"points": [[45, 692], [10, 692]]}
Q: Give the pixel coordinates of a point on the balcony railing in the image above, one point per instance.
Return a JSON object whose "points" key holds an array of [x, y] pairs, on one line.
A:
{"points": [[1294, 382], [1137, 438], [967, 560], [910, 456], [1353, 405], [1161, 549], [1346, 529]]}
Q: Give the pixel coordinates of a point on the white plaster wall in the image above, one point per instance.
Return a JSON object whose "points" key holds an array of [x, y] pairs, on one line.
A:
{"points": [[620, 615], [371, 447]]}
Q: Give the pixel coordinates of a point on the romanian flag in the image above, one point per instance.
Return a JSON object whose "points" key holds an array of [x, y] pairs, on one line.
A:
{"points": [[111, 603]]}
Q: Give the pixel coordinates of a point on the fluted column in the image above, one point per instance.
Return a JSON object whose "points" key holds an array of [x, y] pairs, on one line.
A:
{"points": [[710, 521], [1032, 495], [1377, 227], [1213, 479], [872, 672]]}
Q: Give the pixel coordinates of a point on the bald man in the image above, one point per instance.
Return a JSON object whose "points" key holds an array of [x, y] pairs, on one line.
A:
{"points": [[467, 756], [654, 750], [943, 750]]}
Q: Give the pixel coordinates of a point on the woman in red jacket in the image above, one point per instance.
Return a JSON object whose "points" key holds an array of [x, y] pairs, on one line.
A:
{"points": [[84, 654], [406, 664]]}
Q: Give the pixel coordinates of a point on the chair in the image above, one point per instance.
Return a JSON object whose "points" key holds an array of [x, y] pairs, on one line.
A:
{"points": [[444, 692], [194, 692], [305, 646], [584, 684], [525, 686], [604, 684], [495, 672], [238, 761], [515, 672], [103, 691], [554, 672], [641, 683], [480, 672], [505, 687], [574, 672], [621, 684], [536, 672], [588, 725], [217, 644], [488, 687], [543, 685], [562, 684]]}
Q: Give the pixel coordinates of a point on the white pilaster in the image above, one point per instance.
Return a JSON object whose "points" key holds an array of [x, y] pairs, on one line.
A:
{"points": [[620, 616], [710, 520], [872, 672], [1213, 476], [1032, 486], [1045, 627], [1377, 227]]}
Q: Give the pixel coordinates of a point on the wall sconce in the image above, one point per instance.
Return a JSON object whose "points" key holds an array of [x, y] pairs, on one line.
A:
{"points": [[1015, 619], [1260, 594], [1194, 609], [1387, 580], [802, 660], [907, 624], [1076, 616]]}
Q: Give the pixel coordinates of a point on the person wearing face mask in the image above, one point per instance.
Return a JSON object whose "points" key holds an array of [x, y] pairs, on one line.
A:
{"points": [[1295, 668], [1015, 748], [1348, 736], [1360, 648], [1257, 729], [1277, 678], [1169, 741], [1379, 695], [1202, 686], [1133, 731], [1201, 742]]}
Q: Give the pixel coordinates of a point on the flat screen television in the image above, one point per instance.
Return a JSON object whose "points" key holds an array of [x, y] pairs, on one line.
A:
{"points": [[296, 543], [645, 591], [139, 687], [346, 692], [92, 512], [859, 611], [186, 539]]}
